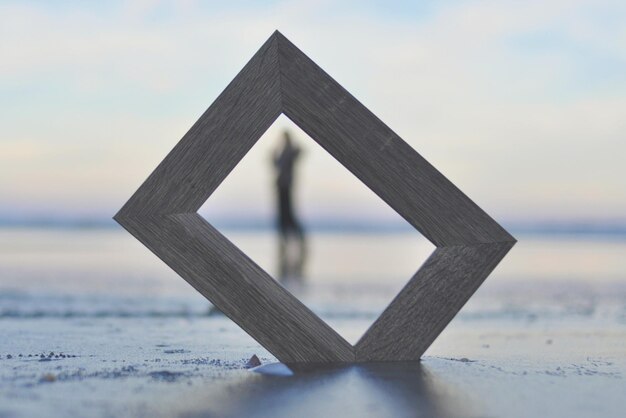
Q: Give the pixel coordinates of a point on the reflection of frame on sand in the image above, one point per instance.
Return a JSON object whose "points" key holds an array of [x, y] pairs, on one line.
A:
{"points": [[281, 79]]}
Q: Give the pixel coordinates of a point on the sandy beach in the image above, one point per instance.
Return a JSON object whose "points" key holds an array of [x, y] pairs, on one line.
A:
{"points": [[95, 326], [322, 139]]}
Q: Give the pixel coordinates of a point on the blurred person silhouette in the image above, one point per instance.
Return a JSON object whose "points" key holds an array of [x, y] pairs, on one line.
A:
{"points": [[291, 237]]}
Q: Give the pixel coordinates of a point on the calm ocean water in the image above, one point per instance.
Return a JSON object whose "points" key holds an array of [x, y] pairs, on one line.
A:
{"points": [[69, 273]]}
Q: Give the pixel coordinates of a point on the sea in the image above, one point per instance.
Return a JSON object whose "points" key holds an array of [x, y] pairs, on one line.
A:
{"points": [[105, 273]]}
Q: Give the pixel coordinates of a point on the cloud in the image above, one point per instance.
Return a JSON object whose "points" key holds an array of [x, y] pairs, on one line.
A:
{"points": [[519, 103]]}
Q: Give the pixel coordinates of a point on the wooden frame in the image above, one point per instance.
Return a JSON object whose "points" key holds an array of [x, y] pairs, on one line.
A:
{"points": [[279, 78]]}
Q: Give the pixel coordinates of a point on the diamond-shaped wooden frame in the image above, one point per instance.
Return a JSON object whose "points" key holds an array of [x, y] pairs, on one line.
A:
{"points": [[279, 78]]}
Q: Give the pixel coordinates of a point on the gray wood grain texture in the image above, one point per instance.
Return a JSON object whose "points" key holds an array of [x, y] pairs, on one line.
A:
{"points": [[241, 289], [430, 300], [378, 157], [281, 79]]}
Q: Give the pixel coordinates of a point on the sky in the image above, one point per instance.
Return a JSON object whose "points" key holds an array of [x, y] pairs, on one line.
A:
{"points": [[521, 104]]}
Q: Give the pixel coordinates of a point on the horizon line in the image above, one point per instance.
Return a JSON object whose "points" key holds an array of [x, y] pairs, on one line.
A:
{"points": [[338, 224]]}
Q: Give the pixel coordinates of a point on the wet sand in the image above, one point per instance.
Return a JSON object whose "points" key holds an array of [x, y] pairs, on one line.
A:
{"points": [[91, 328], [197, 367]]}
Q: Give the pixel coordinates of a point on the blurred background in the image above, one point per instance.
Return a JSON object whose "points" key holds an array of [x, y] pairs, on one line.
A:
{"points": [[521, 104]]}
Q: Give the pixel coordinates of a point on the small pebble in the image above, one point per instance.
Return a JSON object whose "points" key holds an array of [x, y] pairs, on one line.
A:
{"points": [[253, 362], [9, 356], [548, 341]]}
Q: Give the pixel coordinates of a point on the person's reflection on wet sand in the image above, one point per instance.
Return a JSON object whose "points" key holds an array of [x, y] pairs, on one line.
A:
{"points": [[291, 238]]}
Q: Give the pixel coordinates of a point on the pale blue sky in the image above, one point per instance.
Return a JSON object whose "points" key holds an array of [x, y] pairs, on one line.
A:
{"points": [[521, 104]]}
